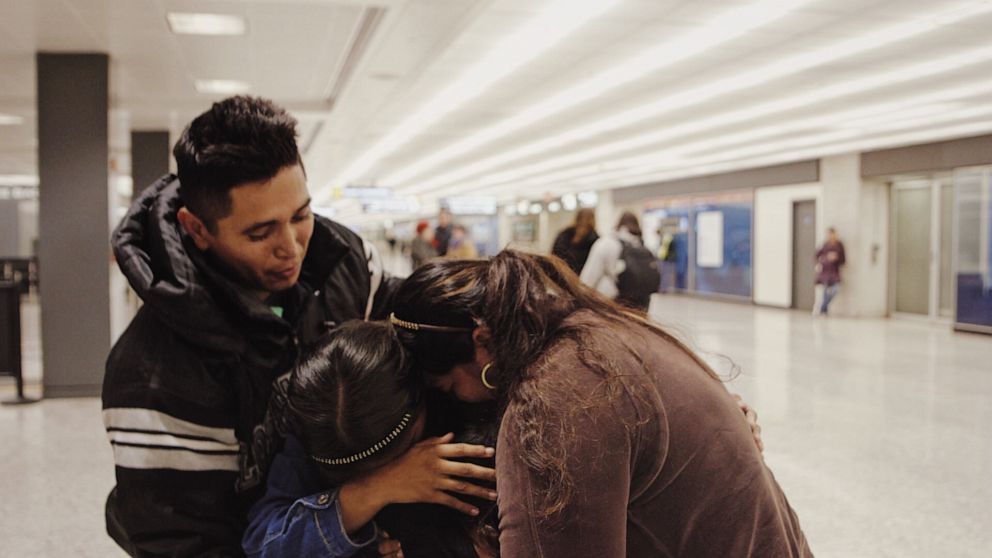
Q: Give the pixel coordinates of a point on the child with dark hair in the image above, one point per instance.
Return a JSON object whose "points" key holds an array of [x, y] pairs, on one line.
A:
{"points": [[358, 420]]}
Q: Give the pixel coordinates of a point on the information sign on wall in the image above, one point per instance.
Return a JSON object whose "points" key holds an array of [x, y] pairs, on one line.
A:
{"points": [[709, 239], [470, 205]]}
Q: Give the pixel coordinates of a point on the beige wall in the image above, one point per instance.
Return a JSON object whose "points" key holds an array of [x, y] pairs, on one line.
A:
{"points": [[772, 255], [859, 211]]}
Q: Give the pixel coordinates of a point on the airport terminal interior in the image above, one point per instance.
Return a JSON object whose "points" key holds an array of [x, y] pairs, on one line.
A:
{"points": [[811, 181]]}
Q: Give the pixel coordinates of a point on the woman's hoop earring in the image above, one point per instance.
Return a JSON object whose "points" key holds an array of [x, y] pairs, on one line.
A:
{"points": [[485, 382]]}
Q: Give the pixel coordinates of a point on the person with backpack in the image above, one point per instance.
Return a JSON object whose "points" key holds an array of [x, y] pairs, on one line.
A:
{"points": [[621, 268]]}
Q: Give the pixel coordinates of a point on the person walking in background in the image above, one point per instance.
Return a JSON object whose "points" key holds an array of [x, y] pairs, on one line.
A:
{"points": [[460, 246], [574, 242], [829, 259], [421, 248], [621, 268], [442, 234], [668, 256]]}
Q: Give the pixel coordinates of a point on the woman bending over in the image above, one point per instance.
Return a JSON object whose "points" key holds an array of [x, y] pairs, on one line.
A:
{"points": [[615, 439]]}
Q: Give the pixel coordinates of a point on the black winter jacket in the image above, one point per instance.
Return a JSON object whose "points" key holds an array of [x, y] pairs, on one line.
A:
{"points": [[194, 393]]}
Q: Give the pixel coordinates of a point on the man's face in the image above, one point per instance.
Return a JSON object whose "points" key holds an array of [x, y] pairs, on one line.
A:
{"points": [[265, 237]]}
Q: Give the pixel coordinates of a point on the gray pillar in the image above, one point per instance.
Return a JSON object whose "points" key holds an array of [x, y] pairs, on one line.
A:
{"points": [[9, 222], [73, 219], [149, 157]]}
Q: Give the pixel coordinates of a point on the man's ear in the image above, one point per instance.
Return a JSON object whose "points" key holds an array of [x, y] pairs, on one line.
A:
{"points": [[195, 228]]}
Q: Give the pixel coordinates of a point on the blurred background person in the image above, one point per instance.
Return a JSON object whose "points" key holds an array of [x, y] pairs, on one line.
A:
{"points": [[574, 242], [421, 248], [621, 268], [829, 259], [668, 258], [460, 246], [442, 234]]}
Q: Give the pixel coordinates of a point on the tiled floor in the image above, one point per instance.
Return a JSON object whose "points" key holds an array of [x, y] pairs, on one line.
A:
{"points": [[876, 429]]}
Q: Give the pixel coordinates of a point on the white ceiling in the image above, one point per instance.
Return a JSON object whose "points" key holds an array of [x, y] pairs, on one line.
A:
{"points": [[826, 76]]}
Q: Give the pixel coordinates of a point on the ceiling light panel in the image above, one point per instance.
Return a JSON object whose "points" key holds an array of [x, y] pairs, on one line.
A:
{"points": [[783, 154], [779, 106], [900, 116], [559, 19], [222, 86], [187, 23], [716, 31], [792, 149], [910, 106], [803, 61]]}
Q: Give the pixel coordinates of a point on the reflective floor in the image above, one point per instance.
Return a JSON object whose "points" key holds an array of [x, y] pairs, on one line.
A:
{"points": [[876, 429]]}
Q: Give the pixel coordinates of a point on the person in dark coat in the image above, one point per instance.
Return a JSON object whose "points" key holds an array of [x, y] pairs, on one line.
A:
{"points": [[829, 259], [574, 242], [237, 276], [442, 233]]}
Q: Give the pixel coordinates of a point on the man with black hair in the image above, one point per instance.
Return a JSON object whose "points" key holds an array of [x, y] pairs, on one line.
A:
{"points": [[237, 276]]}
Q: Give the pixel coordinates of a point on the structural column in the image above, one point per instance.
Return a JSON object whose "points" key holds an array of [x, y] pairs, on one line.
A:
{"points": [[73, 221], [859, 211], [149, 157]]}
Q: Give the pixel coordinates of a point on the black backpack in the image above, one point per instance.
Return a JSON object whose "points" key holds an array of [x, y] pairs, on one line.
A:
{"points": [[640, 276]]}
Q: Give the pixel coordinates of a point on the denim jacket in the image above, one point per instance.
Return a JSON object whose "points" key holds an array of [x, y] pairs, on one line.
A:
{"points": [[296, 517]]}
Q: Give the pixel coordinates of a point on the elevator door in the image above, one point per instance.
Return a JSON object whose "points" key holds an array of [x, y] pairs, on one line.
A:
{"points": [[923, 217], [803, 254], [912, 223]]}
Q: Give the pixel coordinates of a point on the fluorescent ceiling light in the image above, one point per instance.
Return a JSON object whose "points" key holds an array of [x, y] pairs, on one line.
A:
{"points": [[222, 86], [779, 156], [10, 120], [18, 180], [185, 23], [814, 146], [817, 145], [819, 94], [569, 202], [709, 91], [916, 110], [719, 30], [867, 120], [711, 165], [558, 20]]}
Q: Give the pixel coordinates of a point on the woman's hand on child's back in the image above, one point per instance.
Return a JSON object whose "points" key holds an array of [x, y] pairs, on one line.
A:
{"points": [[426, 473]]}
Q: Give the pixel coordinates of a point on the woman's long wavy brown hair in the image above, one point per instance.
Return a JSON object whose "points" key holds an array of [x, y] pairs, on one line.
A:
{"points": [[523, 299]]}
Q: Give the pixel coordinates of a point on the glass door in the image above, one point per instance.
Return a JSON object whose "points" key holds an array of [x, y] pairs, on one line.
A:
{"points": [[973, 245]]}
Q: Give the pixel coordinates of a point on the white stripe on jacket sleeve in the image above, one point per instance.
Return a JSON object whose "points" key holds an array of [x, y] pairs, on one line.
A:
{"points": [[150, 439], [133, 457]]}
